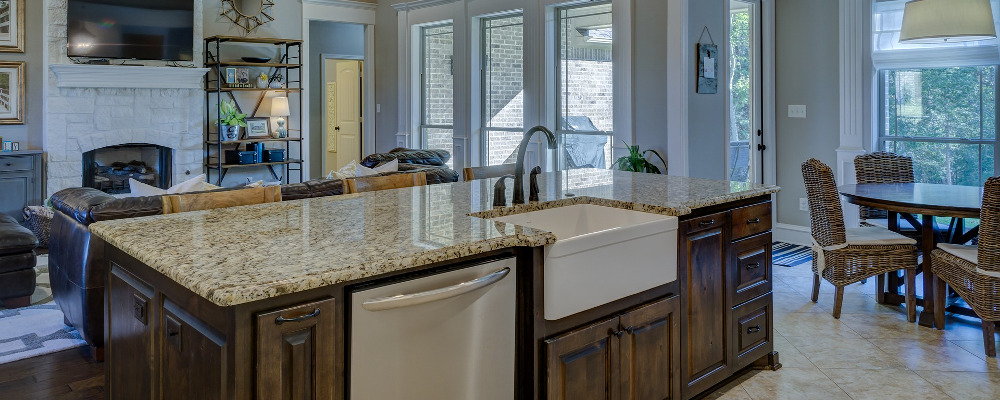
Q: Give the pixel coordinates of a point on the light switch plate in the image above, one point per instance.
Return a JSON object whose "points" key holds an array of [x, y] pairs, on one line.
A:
{"points": [[803, 204], [796, 111]]}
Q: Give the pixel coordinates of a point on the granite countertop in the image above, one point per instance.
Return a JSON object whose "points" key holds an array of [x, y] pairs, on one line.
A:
{"points": [[244, 254]]}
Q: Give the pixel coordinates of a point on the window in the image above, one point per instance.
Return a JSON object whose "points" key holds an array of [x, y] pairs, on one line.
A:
{"points": [[936, 103], [945, 119], [585, 118], [437, 87], [503, 87]]}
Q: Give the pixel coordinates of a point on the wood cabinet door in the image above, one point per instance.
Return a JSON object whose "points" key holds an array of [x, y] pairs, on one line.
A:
{"points": [[705, 329], [584, 364], [194, 357], [130, 348], [14, 187], [650, 349], [295, 352]]}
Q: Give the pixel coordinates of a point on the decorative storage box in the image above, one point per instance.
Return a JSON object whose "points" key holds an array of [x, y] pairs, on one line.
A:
{"points": [[274, 155]]}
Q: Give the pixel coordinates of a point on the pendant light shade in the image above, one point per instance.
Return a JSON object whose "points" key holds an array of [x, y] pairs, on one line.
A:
{"points": [[945, 21]]}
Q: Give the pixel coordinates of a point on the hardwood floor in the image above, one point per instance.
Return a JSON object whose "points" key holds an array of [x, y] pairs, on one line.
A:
{"points": [[68, 374]]}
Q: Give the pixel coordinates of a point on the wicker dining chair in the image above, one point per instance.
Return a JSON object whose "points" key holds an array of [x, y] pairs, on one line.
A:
{"points": [[974, 271], [177, 203], [487, 172], [881, 167], [843, 255], [384, 182]]}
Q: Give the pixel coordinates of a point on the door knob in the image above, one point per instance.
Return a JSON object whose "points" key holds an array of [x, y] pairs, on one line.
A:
{"points": [[336, 128]]}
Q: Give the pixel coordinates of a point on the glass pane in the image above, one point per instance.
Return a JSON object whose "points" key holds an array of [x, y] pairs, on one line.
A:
{"points": [[954, 102], [585, 69], [586, 151], [741, 90], [438, 75], [504, 72], [947, 163], [501, 146], [442, 139]]}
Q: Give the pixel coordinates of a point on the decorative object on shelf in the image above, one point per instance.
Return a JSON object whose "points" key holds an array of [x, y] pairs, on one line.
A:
{"points": [[274, 155], [262, 81], [258, 60], [231, 121], [636, 161], [16, 146], [947, 21], [12, 93], [7, 145], [248, 14], [708, 65], [258, 128], [279, 108], [12, 26], [238, 78], [276, 81], [258, 151]]}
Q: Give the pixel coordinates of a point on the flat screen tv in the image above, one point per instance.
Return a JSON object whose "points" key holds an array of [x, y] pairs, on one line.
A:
{"points": [[131, 29]]}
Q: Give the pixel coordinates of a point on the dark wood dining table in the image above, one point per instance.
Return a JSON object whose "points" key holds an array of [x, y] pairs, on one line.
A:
{"points": [[907, 200]]}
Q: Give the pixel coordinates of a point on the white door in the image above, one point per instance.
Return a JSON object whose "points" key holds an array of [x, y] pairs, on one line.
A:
{"points": [[343, 113], [746, 150]]}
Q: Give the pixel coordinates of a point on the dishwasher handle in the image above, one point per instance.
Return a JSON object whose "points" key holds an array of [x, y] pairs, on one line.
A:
{"points": [[409, 300]]}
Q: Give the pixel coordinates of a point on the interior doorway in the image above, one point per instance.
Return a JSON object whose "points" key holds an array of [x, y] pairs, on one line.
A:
{"points": [[343, 111]]}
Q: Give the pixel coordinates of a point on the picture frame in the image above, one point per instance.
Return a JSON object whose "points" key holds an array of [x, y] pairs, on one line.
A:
{"points": [[258, 127], [237, 78], [708, 69], [230, 75], [15, 146], [12, 30], [12, 102], [8, 145]]}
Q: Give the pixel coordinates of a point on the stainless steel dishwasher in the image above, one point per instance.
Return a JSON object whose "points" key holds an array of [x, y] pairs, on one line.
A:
{"points": [[440, 337]]}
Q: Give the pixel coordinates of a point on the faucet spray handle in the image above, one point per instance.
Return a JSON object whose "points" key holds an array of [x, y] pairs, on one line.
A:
{"points": [[533, 190], [500, 191]]}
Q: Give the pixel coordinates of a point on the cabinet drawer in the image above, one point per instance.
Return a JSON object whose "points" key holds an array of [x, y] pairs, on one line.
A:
{"points": [[751, 220], [16, 163], [750, 268], [705, 223], [753, 324]]}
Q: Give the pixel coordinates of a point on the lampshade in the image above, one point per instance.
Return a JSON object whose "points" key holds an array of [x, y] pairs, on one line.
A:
{"points": [[279, 107], [940, 21]]}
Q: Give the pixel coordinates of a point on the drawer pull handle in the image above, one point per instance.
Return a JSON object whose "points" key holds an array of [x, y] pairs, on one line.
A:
{"points": [[10, 164], [753, 266], [706, 223], [280, 320], [753, 329], [753, 221]]}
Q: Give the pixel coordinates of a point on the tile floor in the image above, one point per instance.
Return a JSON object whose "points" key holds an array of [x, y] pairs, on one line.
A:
{"points": [[872, 352]]}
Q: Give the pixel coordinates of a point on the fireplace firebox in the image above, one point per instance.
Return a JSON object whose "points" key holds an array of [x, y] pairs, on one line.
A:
{"points": [[109, 168]]}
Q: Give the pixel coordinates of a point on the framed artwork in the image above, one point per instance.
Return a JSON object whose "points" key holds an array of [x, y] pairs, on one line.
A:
{"points": [[230, 75], [16, 146], [11, 93], [708, 68], [12, 26], [8, 145], [258, 127]]}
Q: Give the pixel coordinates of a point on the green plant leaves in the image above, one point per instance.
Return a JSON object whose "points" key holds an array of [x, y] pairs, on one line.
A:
{"points": [[636, 161]]}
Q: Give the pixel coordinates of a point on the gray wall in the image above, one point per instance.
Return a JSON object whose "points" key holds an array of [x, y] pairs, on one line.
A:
{"points": [[30, 134], [649, 68], [326, 38], [386, 76], [707, 112], [807, 70]]}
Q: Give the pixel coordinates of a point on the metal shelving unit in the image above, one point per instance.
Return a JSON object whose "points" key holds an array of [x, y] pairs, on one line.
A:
{"points": [[290, 66]]}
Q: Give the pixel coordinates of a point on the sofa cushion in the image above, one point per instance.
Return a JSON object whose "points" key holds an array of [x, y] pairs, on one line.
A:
{"points": [[17, 262], [435, 175], [429, 157], [129, 207], [15, 238], [78, 202]]}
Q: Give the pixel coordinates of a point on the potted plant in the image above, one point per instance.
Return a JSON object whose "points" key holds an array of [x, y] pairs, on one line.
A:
{"points": [[636, 161], [232, 120]]}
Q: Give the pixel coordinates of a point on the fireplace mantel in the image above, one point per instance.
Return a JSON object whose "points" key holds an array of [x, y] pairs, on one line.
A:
{"points": [[120, 76]]}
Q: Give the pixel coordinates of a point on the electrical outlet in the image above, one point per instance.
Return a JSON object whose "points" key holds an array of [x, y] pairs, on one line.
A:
{"points": [[796, 111], [803, 204]]}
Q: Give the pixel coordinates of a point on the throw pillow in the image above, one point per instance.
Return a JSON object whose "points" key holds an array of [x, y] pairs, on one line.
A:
{"points": [[391, 166], [348, 171], [196, 184]]}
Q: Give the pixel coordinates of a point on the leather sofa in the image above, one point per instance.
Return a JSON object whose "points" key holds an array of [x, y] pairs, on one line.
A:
{"points": [[17, 263], [76, 259]]}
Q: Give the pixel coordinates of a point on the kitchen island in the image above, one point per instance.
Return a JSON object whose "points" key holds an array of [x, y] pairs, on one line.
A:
{"points": [[255, 302]]}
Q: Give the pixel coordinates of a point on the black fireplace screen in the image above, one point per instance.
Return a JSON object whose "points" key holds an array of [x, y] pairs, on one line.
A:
{"points": [[109, 168]]}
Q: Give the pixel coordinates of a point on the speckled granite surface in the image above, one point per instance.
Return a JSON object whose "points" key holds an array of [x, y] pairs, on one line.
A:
{"points": [[243, 254]]}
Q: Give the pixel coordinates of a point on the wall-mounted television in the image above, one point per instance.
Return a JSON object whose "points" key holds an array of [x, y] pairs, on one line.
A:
{"points": [[131, 29]]}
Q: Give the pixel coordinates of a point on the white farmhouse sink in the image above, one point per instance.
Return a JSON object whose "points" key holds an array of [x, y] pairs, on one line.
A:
{"points": [[601, 254]]}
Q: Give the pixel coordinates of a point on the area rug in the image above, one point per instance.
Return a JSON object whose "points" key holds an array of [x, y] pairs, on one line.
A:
{"points": [[37, 329], [790, 255]]}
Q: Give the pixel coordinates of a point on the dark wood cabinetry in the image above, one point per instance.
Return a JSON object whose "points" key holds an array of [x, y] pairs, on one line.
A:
{"points": [[725, 273], [629, 356], [295, 352], [193, 357]]}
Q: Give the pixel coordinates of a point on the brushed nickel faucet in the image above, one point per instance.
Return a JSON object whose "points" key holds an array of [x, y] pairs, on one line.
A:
{"points": [[519, 167]]}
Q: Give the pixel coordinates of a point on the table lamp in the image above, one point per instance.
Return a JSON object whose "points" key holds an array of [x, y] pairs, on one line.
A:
{"points": [[279, 108], [947, 21]]}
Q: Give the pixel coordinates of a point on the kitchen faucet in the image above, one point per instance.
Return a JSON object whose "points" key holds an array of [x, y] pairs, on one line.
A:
{"points": [[519, 167]]}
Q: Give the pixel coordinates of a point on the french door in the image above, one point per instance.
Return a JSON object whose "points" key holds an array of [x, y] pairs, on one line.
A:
{"points": [[745, 103]]}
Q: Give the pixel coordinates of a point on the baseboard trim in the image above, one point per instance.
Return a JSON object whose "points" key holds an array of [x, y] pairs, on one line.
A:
{"points": [[794, 234]]}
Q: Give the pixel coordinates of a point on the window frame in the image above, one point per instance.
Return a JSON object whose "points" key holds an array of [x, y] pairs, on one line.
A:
{"points": [[423, 126], [881, 138], [484, 85], [560, 78]]}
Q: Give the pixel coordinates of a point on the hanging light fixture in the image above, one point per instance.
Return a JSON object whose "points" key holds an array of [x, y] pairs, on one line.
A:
{"points": [[946, 21]]}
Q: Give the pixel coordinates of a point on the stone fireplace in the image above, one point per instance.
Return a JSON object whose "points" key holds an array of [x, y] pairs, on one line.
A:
{"points": [[110, 169]]}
